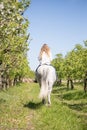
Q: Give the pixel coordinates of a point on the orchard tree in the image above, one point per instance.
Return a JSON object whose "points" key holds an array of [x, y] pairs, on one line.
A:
{"points": [[58, 63], [84, 61], [75, 64], [13, 40], [69, 68]]}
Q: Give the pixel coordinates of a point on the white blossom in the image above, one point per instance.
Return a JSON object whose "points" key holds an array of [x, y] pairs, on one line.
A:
{"points": [[13, 29], [1, 6]]}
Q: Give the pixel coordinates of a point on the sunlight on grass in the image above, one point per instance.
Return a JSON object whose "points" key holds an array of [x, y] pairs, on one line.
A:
{"points": [[20, 108]]}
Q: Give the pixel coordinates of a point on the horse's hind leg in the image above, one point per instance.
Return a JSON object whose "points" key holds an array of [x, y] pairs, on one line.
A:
{"points": [[49, 96], [44, 101], [49, 93], [49, 101]]}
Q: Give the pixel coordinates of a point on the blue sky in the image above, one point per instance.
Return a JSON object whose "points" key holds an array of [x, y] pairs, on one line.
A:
{"points": [[60, 23]]}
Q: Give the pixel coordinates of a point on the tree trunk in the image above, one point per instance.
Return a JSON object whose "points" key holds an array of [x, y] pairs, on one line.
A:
{"points": [[4, 82], [70, 83], [85, 82], [59, 82], [0, 82], [72, 86]]}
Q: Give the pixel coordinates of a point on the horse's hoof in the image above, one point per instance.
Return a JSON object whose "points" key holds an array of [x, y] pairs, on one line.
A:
{"points": [[48, 105]]}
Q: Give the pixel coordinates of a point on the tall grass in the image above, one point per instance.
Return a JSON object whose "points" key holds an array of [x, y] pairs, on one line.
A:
{"points": [[20, 108]]}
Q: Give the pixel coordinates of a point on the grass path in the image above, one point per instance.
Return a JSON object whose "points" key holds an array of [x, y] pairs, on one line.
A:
{"points": [[20, 109]]}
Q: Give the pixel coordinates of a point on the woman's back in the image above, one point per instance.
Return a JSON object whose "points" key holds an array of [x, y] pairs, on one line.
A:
{"points": [[45, 56]]}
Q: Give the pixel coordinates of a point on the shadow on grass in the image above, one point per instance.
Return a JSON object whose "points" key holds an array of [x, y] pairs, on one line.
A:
{"points": [[33, 105], [2, 101], [72, 95], [75, 95], [77, 107], [59, 89]]}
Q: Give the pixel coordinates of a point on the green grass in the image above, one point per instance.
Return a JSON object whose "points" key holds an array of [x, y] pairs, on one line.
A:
{"points": [[20, 109]]}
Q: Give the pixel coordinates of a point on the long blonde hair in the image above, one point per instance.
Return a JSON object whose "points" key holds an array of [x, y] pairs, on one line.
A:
{"points": [[45, 49]]}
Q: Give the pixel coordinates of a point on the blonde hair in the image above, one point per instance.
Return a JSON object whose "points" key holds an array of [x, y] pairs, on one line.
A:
{"points": [[45, 49]]}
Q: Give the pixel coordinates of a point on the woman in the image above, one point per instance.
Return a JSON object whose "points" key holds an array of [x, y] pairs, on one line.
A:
{"points": [[45, 56]]}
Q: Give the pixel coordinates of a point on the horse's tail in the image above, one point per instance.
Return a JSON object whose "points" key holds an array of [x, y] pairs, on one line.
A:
{"points": [[43, 90]]}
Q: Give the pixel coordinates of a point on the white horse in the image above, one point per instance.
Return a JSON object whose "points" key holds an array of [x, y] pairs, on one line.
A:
{"points": [[46, 76]]}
